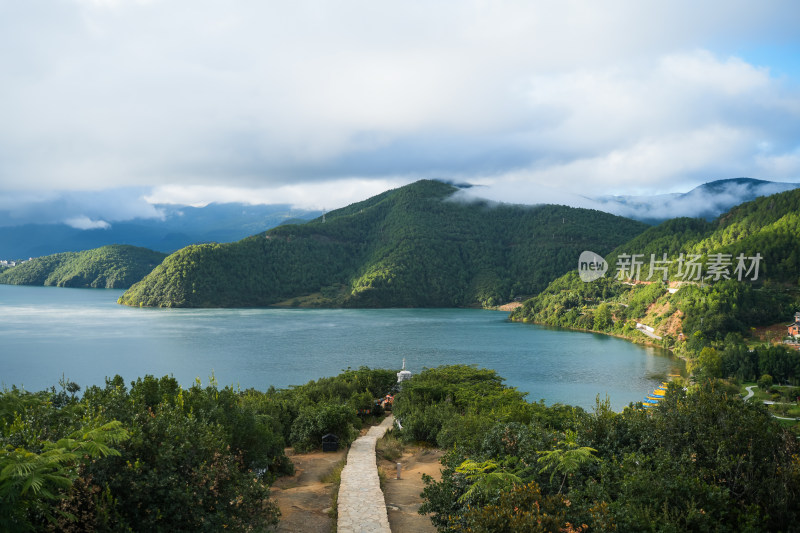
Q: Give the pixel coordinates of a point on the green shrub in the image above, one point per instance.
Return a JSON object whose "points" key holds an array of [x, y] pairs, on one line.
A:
{"points": [[314, 422], [389, 447]]}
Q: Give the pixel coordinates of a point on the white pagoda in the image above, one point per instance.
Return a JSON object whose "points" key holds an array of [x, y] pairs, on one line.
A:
{"points": [[404, 374]]}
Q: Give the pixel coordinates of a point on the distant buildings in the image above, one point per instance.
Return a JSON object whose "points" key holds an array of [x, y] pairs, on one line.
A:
{"points": [[794, 329], [8, 263], [794, 333]]}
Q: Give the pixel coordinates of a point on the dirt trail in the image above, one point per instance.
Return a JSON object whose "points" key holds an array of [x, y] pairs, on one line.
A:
{"points": [[304, 500], [402, 496]]}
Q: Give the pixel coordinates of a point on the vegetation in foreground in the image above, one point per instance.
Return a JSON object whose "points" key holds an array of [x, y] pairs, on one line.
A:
{"points": [[702, 460], [157, 457], [108, 267]]}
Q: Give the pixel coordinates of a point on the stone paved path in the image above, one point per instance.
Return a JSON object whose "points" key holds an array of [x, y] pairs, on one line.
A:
{"points": [[361, 505]]}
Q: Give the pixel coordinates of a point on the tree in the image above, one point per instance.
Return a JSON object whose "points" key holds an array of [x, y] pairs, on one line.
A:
{"points": [[30, 481], [567, 459], [486, 477], [525, 508], [602, 317], [710, 362]]}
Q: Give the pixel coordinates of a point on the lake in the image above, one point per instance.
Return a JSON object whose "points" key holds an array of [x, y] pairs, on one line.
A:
{"points": [[82, 334]]}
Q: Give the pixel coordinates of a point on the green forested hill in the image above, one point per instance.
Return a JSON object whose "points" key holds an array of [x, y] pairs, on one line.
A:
{"points": [[111, 267], [769, 226], [413, 246], [705, 312]]}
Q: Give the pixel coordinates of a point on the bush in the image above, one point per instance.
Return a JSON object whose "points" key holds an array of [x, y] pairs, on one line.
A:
{"points": [[187, 463], [389, 447], [314, 422], [525, 508]]}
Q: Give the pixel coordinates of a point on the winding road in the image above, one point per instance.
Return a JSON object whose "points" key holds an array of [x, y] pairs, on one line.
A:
{"points": [[750, 394]]}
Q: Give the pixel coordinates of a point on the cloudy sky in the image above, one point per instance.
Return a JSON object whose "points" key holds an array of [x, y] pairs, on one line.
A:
{"points": [[110, 106]]}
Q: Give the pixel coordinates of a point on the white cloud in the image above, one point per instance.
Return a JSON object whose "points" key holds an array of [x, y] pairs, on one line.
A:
{"points": [[658, 128], [245, 99], [325, 195], [787, 164], [84, 222], [80, 209], [702, 71]]}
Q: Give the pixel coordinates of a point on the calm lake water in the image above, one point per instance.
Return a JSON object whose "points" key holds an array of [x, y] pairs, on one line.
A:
{"points": [[83, 334]]}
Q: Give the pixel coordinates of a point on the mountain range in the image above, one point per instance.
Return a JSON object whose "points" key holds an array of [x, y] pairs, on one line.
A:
{"points": [[181, 226], [706, 201], [410, 247], [178, 226], [715, 292], [421, 245]]}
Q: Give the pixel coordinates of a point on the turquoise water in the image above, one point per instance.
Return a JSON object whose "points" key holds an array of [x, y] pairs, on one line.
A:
{"points": [[47, 332]]}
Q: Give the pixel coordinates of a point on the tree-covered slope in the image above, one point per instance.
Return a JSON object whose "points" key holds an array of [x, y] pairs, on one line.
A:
{"points": [[409, 247], [111, 267], [705, 309], [768, 226]]}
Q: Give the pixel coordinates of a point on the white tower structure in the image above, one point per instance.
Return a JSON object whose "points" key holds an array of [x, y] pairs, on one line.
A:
{"points": [[403, 374]]}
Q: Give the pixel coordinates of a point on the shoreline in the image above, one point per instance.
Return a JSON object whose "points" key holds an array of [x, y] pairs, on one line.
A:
{"points": [[617, 335]]}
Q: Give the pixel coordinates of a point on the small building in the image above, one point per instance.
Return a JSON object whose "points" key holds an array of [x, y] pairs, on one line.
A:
{"points": [[794, 329], [330, 443]]}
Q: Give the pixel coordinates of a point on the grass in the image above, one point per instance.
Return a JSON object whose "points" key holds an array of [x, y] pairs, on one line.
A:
{"points": [[791, 425], [389, 447], [788, 410], [759, 394], [335, 477], [372, 420], [382, 477]]}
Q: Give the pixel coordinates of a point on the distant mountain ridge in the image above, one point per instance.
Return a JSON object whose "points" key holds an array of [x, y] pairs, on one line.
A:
{"points": [[744, 275], [179, 227], [706, 201], [107, 267], [228, 222], [408, 247]]}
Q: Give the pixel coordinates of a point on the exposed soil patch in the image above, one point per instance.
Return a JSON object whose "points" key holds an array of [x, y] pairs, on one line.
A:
{"points": [[659, 307], [674, 324], [509, 306], [304, 500], [402, 495], [772, 333]]}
